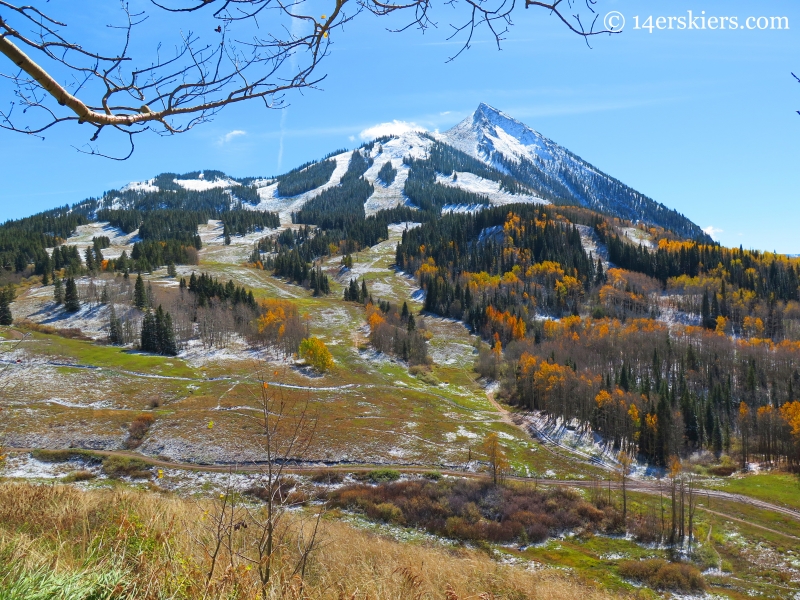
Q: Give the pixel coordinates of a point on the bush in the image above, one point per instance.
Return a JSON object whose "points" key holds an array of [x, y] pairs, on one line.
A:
{"points": [[124, 466], [662, 575], [76, 476], [432, 475], [474, 510], [327, 476], [722, 470], [60, 456], [316, 354], [138, 429], [383, 475], [386, 512], [424, 374]]}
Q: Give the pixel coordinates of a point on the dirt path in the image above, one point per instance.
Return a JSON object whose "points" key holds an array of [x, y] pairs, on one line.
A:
{"points": [[743, 522]]}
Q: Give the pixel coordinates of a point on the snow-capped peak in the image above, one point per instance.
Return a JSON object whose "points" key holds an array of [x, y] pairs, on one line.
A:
{"points": [[489, 130]]}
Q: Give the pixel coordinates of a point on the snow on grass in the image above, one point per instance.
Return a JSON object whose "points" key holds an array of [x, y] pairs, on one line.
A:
{"points": [[38, 306], [638, 236], [84, 234]]}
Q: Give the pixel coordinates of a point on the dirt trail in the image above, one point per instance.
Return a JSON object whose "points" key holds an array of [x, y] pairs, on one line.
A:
{"points": [[742, 521]]}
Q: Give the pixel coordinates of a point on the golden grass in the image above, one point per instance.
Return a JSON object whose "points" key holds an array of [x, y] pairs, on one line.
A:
{"points": [[151, 544]]}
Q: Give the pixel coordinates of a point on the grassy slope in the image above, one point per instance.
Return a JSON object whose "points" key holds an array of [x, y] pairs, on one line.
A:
{"points": [[777, 488], [152, 547], [370, 409]]}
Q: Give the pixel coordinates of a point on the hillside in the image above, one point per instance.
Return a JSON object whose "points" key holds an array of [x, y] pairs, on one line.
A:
{"points": [[480, 359]]}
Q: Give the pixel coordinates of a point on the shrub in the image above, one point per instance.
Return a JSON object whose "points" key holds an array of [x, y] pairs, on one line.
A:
{"points": [[424, 374], [475, 510], [76, 476], [66, 455], [662, 575], [383, 475], [327, 476], [722, 470], [387, 512], [124, 466], [316, 354], [138, 429], [432, 475]]}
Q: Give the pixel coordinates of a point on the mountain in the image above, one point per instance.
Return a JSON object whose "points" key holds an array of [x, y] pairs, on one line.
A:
{"points": [[554, 172], [489, 158]]}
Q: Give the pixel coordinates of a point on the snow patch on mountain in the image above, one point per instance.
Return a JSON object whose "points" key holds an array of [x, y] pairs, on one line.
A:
{"points": [[285, 206], [409, 144], [202, 185], [508, 145], [486, 187], [140, 186]]}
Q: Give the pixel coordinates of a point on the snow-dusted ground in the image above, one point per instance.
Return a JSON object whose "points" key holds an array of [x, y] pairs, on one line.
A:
{"points": [[271, 201], [582, 442], [591, 243], [38, 305], [201, 184], [486, 187], [141, 186], [638, 236], [83, 235]]}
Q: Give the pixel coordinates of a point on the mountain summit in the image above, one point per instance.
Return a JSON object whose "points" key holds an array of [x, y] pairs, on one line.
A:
{"points": [[554, 172]]}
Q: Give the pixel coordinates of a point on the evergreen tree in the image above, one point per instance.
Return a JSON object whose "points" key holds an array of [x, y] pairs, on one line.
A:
{"points": [[149, 339], [139, 293], [115, 333], [364, 293], [6, 298], [167, 341], [46, 277], [71, 301], [89, 255], [58, 291], [171, 271]]}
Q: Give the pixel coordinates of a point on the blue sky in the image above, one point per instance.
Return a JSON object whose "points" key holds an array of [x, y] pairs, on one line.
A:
{"points": [[703, 121]]}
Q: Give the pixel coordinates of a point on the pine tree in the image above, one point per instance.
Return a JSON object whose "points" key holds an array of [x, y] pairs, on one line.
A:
{"points": [[46, 277], [364, 293], [139, 293], [89, 255], [171, 271], [58, 291], [71, 301], [115, 334], [169, 346], [6, 297], [149, 339]]}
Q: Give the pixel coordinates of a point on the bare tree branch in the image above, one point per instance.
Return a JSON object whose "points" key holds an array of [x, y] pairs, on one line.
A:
{"points": [[251, 54]]}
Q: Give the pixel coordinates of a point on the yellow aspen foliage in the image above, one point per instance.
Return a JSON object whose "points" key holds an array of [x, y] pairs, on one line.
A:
{"points": [[315, 353], [651, 421], [722, 325], [790, 412], [602, 399]]}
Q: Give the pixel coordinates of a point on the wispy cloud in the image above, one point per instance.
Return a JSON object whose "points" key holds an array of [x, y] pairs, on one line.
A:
{"points": [[712, 231], [284, 114], [231, 135], [393, 128]]}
